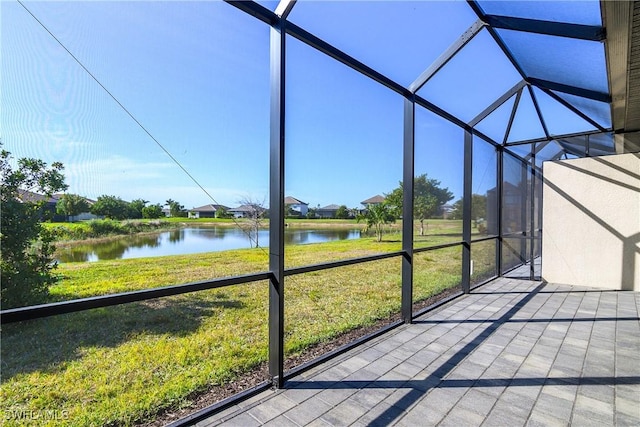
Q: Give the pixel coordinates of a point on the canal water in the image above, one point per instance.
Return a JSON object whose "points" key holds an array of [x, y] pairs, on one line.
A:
{"points": [[192, 240]]}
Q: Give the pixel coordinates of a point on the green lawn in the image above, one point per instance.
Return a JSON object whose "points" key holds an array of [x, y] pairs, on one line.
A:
{"points": [[122, 364]]}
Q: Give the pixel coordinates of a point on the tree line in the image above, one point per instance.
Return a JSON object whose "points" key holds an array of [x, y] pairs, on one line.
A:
{"points": [[112, 207], [27, 261]]}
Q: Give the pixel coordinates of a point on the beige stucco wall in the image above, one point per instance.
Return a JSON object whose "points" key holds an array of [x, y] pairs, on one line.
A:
{"points": [[591, 222]]}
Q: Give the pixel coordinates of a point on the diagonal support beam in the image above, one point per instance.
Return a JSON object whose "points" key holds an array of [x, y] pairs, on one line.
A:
{"points": [[254, 9], [574, 109], [559, 155], [512, 117], [570, 149], [564, 136], [284, 8], [447, 55], [538, 111], [572, 90], [497, 103], [340, 56], [550, 28], [537, 148]]}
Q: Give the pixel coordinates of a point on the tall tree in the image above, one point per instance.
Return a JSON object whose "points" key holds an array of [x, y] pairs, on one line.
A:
{"points": [[135, 208], [478, 208], [110, 207], [428, 197], [342, 212], [27, 247], [71, 205], [175, 208], [152, 211]]}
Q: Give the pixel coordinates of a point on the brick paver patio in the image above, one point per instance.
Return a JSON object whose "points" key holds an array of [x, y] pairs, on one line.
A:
{"points": [[514, 352]]}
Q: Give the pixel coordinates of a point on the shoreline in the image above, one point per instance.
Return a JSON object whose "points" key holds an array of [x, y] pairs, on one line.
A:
{"points": [[175, 225]]}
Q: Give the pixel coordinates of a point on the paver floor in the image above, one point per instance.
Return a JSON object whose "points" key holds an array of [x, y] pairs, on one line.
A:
{"points": [[514, 352]]}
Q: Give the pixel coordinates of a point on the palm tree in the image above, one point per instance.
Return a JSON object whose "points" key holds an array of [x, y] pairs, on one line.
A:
{"points": [[376, 216]]}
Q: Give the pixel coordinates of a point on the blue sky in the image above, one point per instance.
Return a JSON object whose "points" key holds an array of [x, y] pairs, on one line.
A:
{"points": [[195, 75]]}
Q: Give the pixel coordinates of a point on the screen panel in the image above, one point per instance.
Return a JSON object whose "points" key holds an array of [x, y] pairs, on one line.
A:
{"points": [[343, 156], [438, 182], [162, 135]]}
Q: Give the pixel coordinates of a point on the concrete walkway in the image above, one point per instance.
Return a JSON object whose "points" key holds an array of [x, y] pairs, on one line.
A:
{"points": [[512, 353]]}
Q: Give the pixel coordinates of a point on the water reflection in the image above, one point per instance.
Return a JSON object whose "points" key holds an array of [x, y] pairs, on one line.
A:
{"points": [[109, 249], [176, 235], [189, 240], [300, 237]]}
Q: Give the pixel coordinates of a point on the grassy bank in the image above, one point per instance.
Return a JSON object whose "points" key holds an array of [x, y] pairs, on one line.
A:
{"points": [[100, 228], [66, 231], [120, 365]]}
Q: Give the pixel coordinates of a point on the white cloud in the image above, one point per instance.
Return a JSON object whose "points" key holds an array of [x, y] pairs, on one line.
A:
{"points": [[130, 179]]}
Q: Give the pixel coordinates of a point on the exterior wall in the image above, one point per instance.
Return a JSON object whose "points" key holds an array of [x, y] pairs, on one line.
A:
{"points": [[85, 216], [239, 214], [201, 214], [300, 208], [591, 222], [321, 213]]}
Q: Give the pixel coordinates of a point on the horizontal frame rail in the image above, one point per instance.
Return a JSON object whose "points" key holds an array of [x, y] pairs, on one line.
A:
{"points": [[521, 235], [514, 234], [484, 239], [341, 263], [63, 307], [433, 248], [437, 304], [511, 269], [205, 413], [555, 137], [340, 350]]}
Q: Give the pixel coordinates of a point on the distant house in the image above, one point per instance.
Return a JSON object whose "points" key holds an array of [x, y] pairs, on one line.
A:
{"points": [[50, 205], [446, 210], [31, 197], [328, 211], [372, 201], [84, 216], [208, 211], [246, 211], [297, 207]]}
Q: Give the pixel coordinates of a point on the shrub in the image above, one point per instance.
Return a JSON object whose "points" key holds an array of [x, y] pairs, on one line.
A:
{"points": [[27, 249], [103, 227]]}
